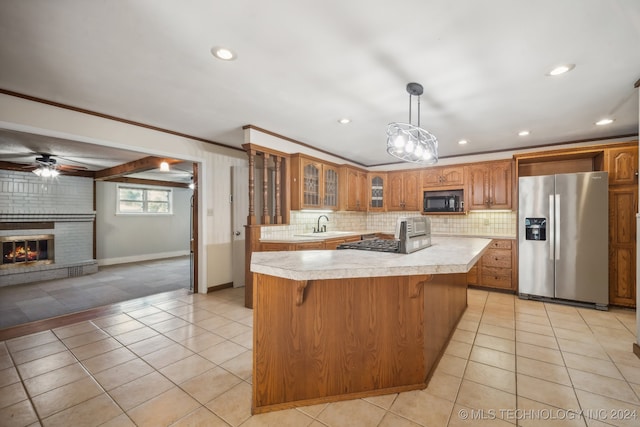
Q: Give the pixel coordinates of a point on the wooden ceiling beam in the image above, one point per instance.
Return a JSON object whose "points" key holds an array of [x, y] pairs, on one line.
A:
{"points": [[154, 182], [136, 166]]}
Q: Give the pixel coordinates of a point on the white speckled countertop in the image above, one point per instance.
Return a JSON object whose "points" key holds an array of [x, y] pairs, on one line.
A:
{"points": [[445, 255]]}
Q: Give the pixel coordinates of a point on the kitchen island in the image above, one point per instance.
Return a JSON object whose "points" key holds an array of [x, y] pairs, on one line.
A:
{"points": [[345, 324]]}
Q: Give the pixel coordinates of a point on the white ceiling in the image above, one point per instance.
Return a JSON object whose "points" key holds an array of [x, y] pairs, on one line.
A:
{"points": [[302, 65]]}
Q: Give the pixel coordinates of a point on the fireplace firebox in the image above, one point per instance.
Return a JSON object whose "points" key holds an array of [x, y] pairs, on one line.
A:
{"points": [[26, 250]]}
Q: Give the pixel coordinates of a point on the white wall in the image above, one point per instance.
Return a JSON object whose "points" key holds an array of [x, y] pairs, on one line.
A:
{"points": [[129, 238], [214, 172]]}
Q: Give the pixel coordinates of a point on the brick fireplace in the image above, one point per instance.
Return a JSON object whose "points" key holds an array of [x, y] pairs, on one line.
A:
{"points": [[46, 227]]}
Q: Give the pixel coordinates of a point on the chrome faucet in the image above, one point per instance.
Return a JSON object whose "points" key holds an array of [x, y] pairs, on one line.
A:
{"points": [[324, 227]]}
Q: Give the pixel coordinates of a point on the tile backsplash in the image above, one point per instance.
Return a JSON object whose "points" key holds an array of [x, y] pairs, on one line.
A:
{"points": [[475, 223]]}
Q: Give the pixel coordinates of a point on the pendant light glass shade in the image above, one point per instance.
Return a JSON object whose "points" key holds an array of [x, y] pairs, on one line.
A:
{"points": [[412, 143]]}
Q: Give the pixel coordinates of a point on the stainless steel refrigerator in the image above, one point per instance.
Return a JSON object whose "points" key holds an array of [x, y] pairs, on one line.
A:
{"points": [[563, 237]]}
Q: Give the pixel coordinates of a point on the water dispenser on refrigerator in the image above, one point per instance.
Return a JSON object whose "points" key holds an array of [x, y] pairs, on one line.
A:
{"points": [[535, 228]]}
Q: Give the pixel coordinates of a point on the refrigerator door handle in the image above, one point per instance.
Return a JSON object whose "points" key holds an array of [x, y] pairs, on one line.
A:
{"points": [[552, 228], [557, 223]]}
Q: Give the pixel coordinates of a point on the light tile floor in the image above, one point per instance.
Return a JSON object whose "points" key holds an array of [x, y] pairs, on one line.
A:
{"points": [[188, 362]]}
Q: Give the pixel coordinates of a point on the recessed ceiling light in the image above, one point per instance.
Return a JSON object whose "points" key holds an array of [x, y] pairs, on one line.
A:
{"points": [[524, 133], [344, 121], [462, 141], [604, 122], [223, 53], [561, 69]]}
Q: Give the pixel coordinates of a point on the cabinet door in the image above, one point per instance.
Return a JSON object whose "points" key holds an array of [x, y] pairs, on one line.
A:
{"points": [[443, 177], [377, 192], [411, 197], [453, 177], [396, 196], [472, 274], [311, 176], [330, 186], [500, 185], [362, 191], [623, 165], [351, 190], [623, 203], [355, 190], [477, 188], [489, 186], [431, 177]]}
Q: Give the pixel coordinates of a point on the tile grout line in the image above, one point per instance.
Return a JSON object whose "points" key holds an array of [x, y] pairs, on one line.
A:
{"points": [[26, 392]]}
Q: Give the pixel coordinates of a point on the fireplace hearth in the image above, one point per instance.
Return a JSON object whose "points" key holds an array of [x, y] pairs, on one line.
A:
{"points": [[24, 251]]}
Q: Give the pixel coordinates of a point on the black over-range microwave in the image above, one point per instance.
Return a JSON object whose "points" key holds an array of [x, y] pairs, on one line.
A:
{"points": [[443, 201]]}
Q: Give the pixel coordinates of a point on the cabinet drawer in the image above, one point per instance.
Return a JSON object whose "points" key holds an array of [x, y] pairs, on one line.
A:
{"points": [[500, 244], [309, 246], [269, 246], [497, 277], [497, 258]]}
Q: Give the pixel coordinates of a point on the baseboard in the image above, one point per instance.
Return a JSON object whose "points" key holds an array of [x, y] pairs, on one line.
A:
{"points": [[143, 257], [220, 287]]}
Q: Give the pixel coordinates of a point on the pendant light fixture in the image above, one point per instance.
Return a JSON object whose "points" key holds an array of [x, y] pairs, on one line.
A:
{"points": [[412, 143]]}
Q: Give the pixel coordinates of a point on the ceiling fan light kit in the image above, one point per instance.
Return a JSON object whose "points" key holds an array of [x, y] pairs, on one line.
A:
{"points": [[46, 171], [47, 168], [411, 143]]}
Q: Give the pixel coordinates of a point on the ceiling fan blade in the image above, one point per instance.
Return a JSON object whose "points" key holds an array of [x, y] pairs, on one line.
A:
{"points": [[70, 168], [80, 162], [5, 156]]}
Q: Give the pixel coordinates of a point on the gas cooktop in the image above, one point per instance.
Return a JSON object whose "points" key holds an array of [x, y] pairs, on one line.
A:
{"points": [[378, 245], [414, 234]]}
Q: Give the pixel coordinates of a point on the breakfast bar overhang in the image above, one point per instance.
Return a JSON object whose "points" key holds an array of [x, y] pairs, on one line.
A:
{"points": [[346, 324]]}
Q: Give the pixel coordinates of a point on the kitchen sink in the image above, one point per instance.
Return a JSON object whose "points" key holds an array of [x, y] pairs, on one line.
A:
{"points": [[326, 234]]}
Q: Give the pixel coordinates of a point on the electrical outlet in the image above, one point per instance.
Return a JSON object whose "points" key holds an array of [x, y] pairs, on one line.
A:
{"points": [[209, 212], [487, 222]]}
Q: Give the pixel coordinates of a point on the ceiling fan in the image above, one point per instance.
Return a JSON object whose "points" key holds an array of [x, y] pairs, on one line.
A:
{"points": [[46, 164]]}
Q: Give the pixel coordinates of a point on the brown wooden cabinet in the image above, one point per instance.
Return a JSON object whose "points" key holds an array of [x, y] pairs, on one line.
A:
{"points": [[622, 242], [314, 184], [403, 191], [623, 204], [622, 165], [496, 267], [354, 189], [377, 191], [489, 185], [443, 177]]}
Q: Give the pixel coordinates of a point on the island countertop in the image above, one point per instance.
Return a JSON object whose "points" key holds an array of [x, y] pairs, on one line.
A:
{"points": [[445, 255]]}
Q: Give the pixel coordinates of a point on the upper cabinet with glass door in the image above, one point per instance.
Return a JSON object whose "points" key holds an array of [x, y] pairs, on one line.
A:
{"points": [[314, 184], [330, 195], [377, 191]]}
